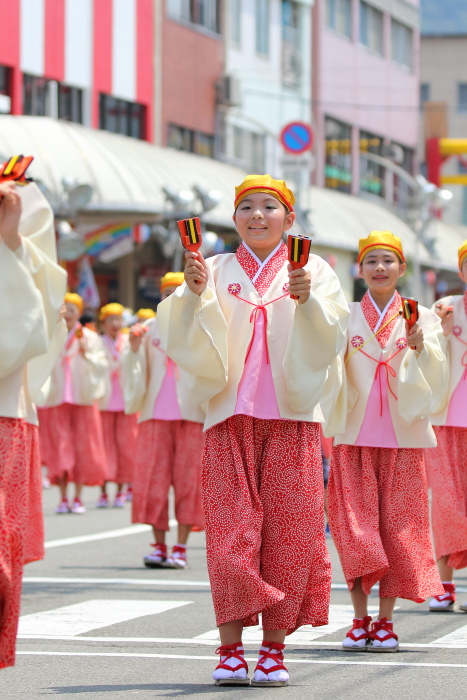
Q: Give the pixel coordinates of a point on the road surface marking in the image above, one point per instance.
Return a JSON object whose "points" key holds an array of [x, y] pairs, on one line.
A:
{"points": [[326, 662], [107, 535], [80, 618], [135, 581], [213, 642], [458, 637], [117, 581], [340, 616]]}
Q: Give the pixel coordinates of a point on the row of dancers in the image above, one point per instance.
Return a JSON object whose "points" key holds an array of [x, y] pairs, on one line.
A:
{"points": [[230, 349]]}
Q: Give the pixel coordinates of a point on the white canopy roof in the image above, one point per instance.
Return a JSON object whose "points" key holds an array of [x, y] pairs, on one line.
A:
{"points": [[127, 176]]}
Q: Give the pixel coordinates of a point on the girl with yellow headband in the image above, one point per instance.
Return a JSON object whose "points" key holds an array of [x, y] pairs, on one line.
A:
{"points": [[118, 428], [260, 360], [377, 491], [170, 440], [32, 285], [447, 463], [72, 425]]}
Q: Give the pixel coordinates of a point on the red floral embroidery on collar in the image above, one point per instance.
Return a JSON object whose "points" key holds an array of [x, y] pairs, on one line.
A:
{"points": [[269, 271], [372, 317]]}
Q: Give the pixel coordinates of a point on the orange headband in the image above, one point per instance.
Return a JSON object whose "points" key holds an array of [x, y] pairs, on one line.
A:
{"points": [[380, 240], [264, 183]]}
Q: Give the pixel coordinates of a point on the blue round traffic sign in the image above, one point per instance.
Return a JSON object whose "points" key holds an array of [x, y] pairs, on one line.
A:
{"points": [[297, 137]]}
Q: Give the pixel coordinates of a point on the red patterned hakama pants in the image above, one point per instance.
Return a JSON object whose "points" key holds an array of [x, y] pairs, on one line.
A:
{"points": [[446, 467], [44, 446], [75, 444], [21, 522], [263, 501], [378, 515], [120, 432], [168, 454]]}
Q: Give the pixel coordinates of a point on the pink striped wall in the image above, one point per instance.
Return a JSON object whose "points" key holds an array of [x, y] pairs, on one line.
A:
{"points": [[102, 54], [145, 61], [100, 45], [10, 49], [54, 59]]}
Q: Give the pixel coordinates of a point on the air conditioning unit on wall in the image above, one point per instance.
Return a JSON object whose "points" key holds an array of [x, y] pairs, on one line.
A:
{"points": [[228, 91]]}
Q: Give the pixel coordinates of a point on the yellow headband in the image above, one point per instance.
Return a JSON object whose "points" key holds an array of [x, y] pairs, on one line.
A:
{"points": [[145, 314], [172, 279], [462, 252], [72, 298], [110, 310], [264, 183], [378, 240]]}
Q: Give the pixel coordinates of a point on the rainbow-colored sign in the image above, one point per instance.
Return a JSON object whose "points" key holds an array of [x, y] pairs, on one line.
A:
{"points": [[101, 239]]}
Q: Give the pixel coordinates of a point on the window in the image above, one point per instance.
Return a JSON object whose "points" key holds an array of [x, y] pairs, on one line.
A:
{"points": [[425, 93], [339, 16], [249, 149], [206, 13], [179, 9], [371, 174], [401, 44], [257, 152], [236, 21], [462, 97], [237, 143], [189, 140], [35, 96], [262, 27], [70, 103], [5, 82], [371, 28], [122, 117], [291, 44], [338, 165]]}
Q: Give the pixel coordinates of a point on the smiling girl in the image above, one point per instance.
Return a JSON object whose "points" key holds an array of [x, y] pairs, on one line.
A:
{"points": [[260, 361], [377, 493]]}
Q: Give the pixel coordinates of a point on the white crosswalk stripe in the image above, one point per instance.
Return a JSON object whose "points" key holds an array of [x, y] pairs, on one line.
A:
{"points": [[73, 620], [340, 617]]}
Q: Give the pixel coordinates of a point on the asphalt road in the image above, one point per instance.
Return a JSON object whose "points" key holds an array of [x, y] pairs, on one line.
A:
{"points": [[110, 628]]}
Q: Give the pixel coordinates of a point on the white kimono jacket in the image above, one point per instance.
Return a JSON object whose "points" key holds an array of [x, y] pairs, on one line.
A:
{"points": [[88, 372], [417, 381], [208, 336], [32, 287], [143, 374], [114, 352], [457, 357]]}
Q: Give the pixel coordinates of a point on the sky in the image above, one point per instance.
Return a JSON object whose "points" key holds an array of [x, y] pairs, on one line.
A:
{"points": [[441, 17]]}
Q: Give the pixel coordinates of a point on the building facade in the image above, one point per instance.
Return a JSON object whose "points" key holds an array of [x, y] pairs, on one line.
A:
{"points": [[86, 61], [189, 60], [267, 80], [365, 94], [443, 90]]}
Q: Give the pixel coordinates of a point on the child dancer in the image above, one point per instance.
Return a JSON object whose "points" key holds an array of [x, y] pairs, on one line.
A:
{"points": [[377, 494], [119, 430], [75, 447], [170, 440], [447, 463], [32, 287], [260, 360]]}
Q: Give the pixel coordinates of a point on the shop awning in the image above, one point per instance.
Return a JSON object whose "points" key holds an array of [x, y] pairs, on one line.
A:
{"points": [[127, 176]]}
